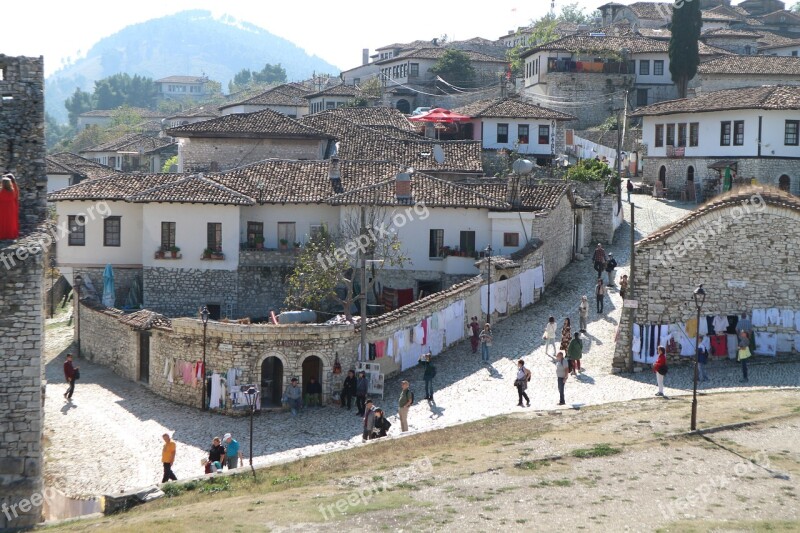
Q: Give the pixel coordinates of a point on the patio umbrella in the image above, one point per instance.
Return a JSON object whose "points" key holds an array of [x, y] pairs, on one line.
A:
{"points": [[134, 301], [726, 185], [440, 115], [108, 287]]}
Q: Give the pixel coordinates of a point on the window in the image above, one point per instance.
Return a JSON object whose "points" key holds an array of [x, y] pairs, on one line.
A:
{"points": [[544, 134], [436, 243], [255, 233], [794, 53], [681, 134], [413, 70], [502, 133], [694, 134], [356, 81], [167, 235], [112, 228], [286, 233], [330, 105], [644, 67], [641, 97], [670, 134], [467, 242], [631, 67], [510, 239], [658, 67], [523, 133], [738, 132], [725, 134], [214, 240], [315, 230], [77, 230], [790, 135], [659, 135]]}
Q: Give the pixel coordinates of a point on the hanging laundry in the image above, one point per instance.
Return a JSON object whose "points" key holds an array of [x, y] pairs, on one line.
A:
{"points": [[733, 320], [797, 320], [188, 373], [527, 287], [691, 327], [766, 343], [216, 392], [773, 316], [797, 343], [538, 277], [514, 288], [424, 331], [501, 299], [785, 342], [169, 365], [719, 345], [733, 345], [678, 331], [380, 349], [759, 318], [720, 324], [787, 318], [435, 321]]}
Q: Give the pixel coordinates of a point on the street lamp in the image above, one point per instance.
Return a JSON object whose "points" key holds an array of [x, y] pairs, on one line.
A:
{"points": [[78, 282], [488, 253], [52, 283], [252, 399], [204, 318], [699, 299]]}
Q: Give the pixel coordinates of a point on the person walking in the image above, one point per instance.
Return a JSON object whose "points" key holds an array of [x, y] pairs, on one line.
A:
{"points": [[566, 334], [403, 405], [168, 458], [600, 294], [294, 396], [549, 335], [369, 420], [69, 375], [362, 387], [623, 286], [521, 383], [702, 360], [486, 342], [599, 259], [744, 353], [475, 339], [660, 369], [232, 453], [611, 265], [428, 375], [562, 373], [629, 188], [575, 353], [349, 390], [380, 425], [583, 312]]}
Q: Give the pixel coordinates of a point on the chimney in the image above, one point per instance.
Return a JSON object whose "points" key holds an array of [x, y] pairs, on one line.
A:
{"points": [[365, 56], [402, 186], [512, 190], [334, 173]]}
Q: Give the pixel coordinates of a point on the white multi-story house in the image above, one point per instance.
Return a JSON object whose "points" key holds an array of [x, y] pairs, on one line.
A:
{"points": [[754, 131], [332, 97], [288, 99], [182, 87]]}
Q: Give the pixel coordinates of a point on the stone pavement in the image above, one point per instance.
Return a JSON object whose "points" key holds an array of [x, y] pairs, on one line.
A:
{"points": [[109, 439]]}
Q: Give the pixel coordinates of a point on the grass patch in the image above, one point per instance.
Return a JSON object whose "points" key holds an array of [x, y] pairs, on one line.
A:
{"points": [[599, 450], [531, 465], [766, 526]]}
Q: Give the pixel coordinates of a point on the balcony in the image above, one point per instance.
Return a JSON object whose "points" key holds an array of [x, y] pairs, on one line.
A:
{"points": [[588, 67]]}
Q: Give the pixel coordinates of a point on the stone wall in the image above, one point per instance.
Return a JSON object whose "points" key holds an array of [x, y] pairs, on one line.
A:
{"points": [[123, 281], [198, 154], [107, 342], [55, 293], [555, 229], [183, 291], [604, 206], [743, 263], [594, 89]]}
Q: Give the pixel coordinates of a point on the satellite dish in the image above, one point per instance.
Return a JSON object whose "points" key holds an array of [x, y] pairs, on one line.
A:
{"points": [[438, 153], [522, 166]]}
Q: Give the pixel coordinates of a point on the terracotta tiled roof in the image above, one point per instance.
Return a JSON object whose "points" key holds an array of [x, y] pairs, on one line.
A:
{"points": [[342, 89], [261, 124], [437, 52], [613, 44], [67, 163], [198, 111], [144, 113], [146, 319], [373, 116], [182, 79], [133, 142], [288, 94], [771, 196], [531, 197], [770, 41], [362, 143], [731, 34], [661, 34], [510, 108], [433, 192], [192, 190], [405, 46], [718, 15], [114, 187], [652, 10], [770, 97], [391, 131], [706, 50], [752, 65]]}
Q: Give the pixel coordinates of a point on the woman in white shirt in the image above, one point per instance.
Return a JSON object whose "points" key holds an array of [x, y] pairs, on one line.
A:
{"points": [[550, 335]]}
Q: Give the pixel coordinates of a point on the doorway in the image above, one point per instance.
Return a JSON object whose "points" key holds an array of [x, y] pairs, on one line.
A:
{"points": [[271, 382], [144, 356], [662, 175], [403, 106], [312, 368], [690, 173], [785, 183]]}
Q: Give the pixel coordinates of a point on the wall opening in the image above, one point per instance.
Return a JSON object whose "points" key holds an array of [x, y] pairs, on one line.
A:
{"points": [[144, 356], [662, 175], [312, 368], [403, 106], [271, 382], [785, 183], [690, 173]]}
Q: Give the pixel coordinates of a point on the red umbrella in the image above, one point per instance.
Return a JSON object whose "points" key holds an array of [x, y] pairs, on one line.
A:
{"points": [[440, 115]]}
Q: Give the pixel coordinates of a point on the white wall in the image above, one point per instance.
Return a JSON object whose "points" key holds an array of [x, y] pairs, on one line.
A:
{"points": [[533, 146], [56, 182], [296, 111], [190, 234], [511, 222], [302, 215], [664, 78], [786, 51], [94, 253]]}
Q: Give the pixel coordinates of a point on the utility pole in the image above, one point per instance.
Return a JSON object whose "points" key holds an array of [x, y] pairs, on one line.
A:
{"points": [[620, 141], [364, 353]]}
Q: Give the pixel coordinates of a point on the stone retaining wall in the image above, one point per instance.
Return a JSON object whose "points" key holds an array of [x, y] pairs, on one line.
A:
{"points": [[107, 342]]}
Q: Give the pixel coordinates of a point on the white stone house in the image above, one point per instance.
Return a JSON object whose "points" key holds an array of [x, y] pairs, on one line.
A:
{"points": [[288, 98], [332, 97], [730, 72], [754, 131], [787, 48], [133, 152], [104, 117], [182, 87], [190, 116], [65, 169]]}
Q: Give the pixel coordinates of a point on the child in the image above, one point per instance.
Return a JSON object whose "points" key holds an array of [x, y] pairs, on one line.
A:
{"points": [[623, 286]]}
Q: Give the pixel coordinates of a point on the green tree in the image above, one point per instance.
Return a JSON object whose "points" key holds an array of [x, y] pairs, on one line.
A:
{"points": [[796, 7], [79, 102], [54, 132], [455, 67], [270, 74], [126, 117], [684, 53]]}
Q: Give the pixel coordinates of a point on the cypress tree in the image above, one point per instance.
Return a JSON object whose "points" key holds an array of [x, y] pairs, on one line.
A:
{"points": [[684, 53]]}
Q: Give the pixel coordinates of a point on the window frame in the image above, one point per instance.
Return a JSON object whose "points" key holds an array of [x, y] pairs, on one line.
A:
{"points": [[214, 245], [464, 241], [694, 134], [435, 243], [644, 71], [413, 70], [796, 124], [511, 240], [77, 228], [642, 96], [659, 136], [670, 140], [170, 228], [544, 133], [502, 138], [526, 137], [108, 232], [725, 133], [683, 131], [658, 67], [738, 132], [254, 229]]}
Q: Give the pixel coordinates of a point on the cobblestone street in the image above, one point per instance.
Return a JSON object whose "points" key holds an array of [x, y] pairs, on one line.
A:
{"points": [[122, 421]]}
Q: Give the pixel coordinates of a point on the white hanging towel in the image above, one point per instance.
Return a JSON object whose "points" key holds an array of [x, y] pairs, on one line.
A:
{"points": [[514, 291], [216, 391], [538, 277], [759, 318], [501, 295], [787, 318], [766, 343], [774, 316], [720, 324]]}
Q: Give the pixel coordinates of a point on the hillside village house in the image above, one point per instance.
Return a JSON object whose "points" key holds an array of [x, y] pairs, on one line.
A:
{"points": [[730, 72], [787, 48], [332, 97], [234, 231], [133, 152], [753, 131], [65, 169], [104, 117], [182, 87], [288, 98], [190, 116]]}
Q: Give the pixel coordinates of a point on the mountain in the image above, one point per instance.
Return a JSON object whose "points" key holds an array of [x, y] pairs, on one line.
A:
{"points": [[188, 43]]}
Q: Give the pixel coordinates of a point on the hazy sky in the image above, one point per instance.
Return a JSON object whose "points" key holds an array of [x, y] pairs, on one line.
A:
{"points": [[333, 30]]}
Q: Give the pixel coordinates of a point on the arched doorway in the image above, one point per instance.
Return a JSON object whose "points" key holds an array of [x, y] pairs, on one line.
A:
{"points": [[403, 106], [690, 173], [662, 175], [271, 382], [312, 368], [785, 183]]}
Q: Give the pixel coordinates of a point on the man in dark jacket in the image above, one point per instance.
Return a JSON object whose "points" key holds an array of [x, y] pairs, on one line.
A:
{"points": [[599, 259], [369, 420], [430, 373], [349, 390], [362, 386], [69, 375], [611, 264]]}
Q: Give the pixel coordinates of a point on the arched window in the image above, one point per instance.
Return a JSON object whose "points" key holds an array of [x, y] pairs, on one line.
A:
{"points": [[690, 173], [403, 106]]}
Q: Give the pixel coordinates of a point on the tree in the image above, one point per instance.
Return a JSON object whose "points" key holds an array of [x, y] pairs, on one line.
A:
{"points": [[454, 67], [54, 132], [684, 53], [79, 102], [796, 7], [327, 268], [270, 74]]}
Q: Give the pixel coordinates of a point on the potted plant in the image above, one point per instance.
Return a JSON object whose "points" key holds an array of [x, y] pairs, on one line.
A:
{"points": [[174, 250], [160, 253], [284, 244], [297, 246], [207, 253], [217, 254], [259, 241]]}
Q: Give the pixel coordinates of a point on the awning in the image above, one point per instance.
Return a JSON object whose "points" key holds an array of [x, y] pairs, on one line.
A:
{"points": [[722, 165]]}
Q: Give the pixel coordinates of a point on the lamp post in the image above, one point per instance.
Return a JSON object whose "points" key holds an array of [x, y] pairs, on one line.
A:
{"points": [[78, 282], [252, 399], [52, 283], [699, 299], [204, 318], [488, 252]]}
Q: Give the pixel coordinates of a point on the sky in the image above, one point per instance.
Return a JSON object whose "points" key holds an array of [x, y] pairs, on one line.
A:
{"points": [[335, 31]]}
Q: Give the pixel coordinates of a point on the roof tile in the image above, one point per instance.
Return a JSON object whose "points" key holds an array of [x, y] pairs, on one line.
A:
{"points": [[769, 97], [510, 108], [265, 123]]}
